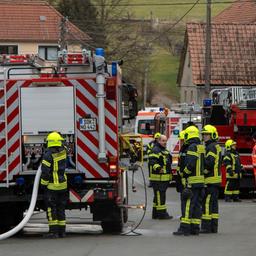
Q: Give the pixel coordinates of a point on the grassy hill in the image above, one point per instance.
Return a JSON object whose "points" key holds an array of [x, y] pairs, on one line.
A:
{"points": [[165, 66]]}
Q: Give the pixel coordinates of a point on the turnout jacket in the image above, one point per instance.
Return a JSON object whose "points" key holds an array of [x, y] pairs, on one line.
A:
{"points": [[181, 165], [194, 163], [53, 168], [232, 164], [150, 146], [160, 161], [212, 172]]}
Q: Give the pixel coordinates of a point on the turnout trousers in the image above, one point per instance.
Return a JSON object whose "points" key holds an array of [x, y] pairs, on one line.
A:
{"points": [[191, 212], [232, 189], [56, 201], [210, 208], [159, 200]]}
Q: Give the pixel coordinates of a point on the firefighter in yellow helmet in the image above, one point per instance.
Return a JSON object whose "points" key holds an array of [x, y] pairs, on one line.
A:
{"points": [[150, 145], [54, 183], [233, 171], [212, 174], [192, 194]]}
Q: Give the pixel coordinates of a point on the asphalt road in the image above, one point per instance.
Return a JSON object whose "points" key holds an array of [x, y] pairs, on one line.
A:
{"points": [[237, 234]]}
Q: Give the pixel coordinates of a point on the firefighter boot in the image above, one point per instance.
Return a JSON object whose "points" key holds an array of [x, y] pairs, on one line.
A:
{"points": [[214, 226], [165, 216], [195, 229], [53, 233], [181, 232], [206, 227], [228, 199], [236, 199], [154, 214], [62, 231]]}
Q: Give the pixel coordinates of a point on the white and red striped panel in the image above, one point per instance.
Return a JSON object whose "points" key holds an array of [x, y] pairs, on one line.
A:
{"points": [[12, 145], [88, 142]]}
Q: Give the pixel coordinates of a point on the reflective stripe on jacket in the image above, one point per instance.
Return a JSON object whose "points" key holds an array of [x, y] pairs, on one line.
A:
{"points": [[53, 168], [232, 163], [212, 172], [160, 161], [194, 163]]}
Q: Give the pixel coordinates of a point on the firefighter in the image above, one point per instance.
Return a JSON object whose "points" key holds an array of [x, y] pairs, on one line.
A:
{"points": [[180, 181], [193, 192], [160, 161], [150, 146], [254, 159], [212, 174], [54, 183], [233, 172]]}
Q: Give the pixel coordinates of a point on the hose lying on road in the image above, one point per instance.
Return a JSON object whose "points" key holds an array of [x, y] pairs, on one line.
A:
{"points": [[30, 209]]}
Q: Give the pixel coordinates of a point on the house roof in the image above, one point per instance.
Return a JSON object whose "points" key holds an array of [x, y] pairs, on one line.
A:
{"points": [[233, 52], [242, 11], [31, 20]]}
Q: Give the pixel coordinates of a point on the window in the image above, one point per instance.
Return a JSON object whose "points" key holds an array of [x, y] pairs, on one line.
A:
{"points": [[185, 96], [8, 49], [48, 52], [192, 96], [146, 127]]}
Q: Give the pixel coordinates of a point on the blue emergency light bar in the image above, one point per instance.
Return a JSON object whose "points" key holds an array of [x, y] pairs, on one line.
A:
{"points": [[207, 102]]}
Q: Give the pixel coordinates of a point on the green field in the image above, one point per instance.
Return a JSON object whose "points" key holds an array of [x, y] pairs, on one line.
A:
{"points": [[164, 65], [173, 12]]}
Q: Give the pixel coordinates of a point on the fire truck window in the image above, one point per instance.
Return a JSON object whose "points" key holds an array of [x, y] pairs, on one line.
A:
{"points": [[146, 127]]}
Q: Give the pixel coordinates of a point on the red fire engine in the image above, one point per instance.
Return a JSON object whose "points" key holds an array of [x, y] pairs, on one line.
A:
{"points": [[232, 111], [82, 98]]}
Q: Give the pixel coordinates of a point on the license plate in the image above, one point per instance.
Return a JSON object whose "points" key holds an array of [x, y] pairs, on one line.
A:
{"points": [[88, 124]]}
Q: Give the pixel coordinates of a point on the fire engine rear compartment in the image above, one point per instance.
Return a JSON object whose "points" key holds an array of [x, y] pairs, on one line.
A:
{"points": [[30, 105]]}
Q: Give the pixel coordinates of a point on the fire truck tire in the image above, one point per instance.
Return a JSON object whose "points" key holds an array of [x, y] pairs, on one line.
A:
{"points": [[10, 217], [112, 226]]}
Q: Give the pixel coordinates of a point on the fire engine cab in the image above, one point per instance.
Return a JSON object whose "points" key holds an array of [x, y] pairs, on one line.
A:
{"points": [[232, 111], [82, 97]]}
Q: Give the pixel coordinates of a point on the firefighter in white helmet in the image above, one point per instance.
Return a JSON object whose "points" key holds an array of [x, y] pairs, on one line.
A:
{"points": [[54, 183]]}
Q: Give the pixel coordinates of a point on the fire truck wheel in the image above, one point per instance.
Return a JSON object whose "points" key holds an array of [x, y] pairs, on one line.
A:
{"points": [[112, 226]]}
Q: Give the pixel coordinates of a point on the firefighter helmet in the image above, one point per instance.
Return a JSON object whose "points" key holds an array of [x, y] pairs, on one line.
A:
{"points": [[229, 144], [54, 139], [157, 135], [210, 129], [191, 132], [181, 135]]}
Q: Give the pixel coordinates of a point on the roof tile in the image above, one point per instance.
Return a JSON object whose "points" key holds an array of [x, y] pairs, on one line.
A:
{"points": [[233, 53], [20, 21]]}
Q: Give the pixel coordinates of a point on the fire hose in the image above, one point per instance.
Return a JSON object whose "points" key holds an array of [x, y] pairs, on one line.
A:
{"points": [[30, 211]]}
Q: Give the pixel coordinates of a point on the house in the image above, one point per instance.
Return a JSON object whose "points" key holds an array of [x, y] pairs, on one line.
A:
{"points": [[233, 53], [34, 27]]}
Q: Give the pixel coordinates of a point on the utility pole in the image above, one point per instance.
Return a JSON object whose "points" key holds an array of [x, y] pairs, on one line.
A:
{"points": [[208, 49], [145, 85], [63, 33]]}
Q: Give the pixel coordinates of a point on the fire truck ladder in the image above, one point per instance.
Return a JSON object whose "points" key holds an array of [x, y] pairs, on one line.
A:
{"points": [[4, 132]]}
